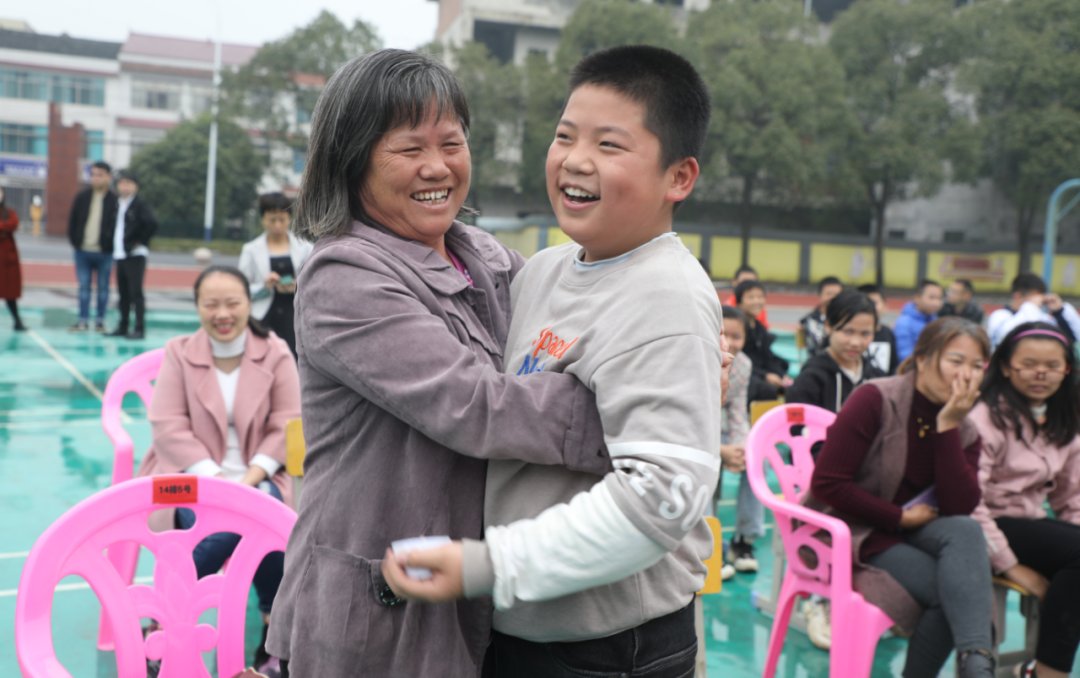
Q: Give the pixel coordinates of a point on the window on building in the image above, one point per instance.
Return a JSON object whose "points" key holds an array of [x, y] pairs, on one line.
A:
{"points": [[954, 236], [673, 3], [24, 139], [95, 145], [202, 98], [299, 160], [40, 86], [155, 94]]}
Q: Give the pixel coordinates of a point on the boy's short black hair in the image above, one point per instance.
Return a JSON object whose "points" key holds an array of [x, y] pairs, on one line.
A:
{"points": [[745, 286], [870, 288], [745, 268], [102, 165], [274, 202], [674, 96], [1028, 283], [734, 313], [966, 284], [828, 280], [924, 283]]}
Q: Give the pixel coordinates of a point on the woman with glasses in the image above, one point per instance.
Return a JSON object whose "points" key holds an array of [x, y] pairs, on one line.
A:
{"points": [[1029, 421]]}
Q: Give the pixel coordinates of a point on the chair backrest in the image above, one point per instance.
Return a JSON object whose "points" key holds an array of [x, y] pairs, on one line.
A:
{"points": [[136, 375], [75, 545], [760, 407], [781, 441], [295, 448]]}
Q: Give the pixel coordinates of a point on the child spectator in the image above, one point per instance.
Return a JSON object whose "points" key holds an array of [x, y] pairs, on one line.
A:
{"points": [[742, 273], [770, 374], [1029, 423], [1031, 302], [900, 467], [883, 347], [813, 323], [958, 301], [750, 514], [600, 577], [916, 315]]}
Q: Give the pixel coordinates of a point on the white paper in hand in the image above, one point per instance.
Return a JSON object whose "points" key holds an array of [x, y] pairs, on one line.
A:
{"points": [[403, 546]]}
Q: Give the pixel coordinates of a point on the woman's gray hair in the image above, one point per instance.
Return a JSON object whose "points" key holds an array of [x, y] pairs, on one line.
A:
{"points": [[366, 98]]}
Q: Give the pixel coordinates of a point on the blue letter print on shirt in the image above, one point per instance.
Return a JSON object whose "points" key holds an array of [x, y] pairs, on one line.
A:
{"points": [[531, 364]]}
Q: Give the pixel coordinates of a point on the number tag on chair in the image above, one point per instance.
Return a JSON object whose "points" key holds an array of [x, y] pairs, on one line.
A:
{"points": [[796, 415], [176, 490]]}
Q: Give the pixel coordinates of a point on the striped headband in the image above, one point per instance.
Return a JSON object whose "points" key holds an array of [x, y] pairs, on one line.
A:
{"points": [[1053, 334]]}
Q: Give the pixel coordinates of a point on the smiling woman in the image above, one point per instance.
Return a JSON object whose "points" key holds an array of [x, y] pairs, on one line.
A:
{"points": [[402, 314]]}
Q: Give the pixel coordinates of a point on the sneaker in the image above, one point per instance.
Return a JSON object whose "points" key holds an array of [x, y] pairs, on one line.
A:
{"points": [[741, 555], [727, 571], [19, 327], [81, 326], [136, 334], [818, 626], [99, 327], [118, 332]]}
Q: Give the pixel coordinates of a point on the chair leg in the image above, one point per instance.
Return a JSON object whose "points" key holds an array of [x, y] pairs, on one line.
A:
{"points": [[124, 556], [785, 603], [854, 644]]}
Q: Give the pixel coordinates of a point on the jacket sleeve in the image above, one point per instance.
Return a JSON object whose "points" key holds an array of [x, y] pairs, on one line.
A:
{"points": [[284, 403], [738, 424], [1065, 497], [170, 415], [250, 270], [148, 222], [906, 335], [807, 389], [664, 440], [994, 447], [370, 332]]}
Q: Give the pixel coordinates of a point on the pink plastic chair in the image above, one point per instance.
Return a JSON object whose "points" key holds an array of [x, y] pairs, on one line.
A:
{"points": [[812, 565], [137, 375], [74, 545]]}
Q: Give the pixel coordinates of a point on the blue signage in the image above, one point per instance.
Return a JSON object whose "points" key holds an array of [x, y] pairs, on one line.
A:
{"points": [[24, 169]]}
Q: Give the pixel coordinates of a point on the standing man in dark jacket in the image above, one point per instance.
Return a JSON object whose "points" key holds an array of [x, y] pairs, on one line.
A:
{"points": [[90, 230], [135, 225]]}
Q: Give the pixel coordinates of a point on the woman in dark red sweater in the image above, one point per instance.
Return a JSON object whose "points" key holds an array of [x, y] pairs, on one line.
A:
{"points": [[900, 466]]}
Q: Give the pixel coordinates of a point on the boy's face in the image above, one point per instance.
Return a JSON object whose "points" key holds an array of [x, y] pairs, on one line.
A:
{"points": [[827, 293], [753, 301], [930, 301], [604, 178], [879, 304], [958, 294], [735, 332]]}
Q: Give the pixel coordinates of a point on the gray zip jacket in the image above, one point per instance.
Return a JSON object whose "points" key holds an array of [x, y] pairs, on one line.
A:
{"points": [[403, 400]]}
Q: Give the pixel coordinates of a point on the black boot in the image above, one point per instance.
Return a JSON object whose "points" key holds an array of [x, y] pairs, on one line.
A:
{"points": [[976, 664]]}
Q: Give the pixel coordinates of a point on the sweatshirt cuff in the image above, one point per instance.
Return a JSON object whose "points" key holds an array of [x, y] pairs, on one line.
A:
{"points": [[477, 571], [204, 467], [583, 445], [266, 463]]}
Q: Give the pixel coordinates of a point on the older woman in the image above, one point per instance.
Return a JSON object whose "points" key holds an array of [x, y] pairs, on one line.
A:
{"points": [[220, 406], [401, 314]]}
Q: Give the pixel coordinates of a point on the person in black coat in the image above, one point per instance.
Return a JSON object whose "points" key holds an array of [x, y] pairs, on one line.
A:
{"points": [[770, 373], [828, 378], [883, 348], [135, 226], [90, 230]]}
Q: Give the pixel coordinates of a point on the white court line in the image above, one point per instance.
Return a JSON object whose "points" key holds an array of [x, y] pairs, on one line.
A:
{"points": [[74, 371], [39, 425], [14, 554], [8, 593]]}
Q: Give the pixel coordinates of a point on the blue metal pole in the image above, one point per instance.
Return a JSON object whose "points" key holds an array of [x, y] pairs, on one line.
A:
{"points": [[1050, 230]]}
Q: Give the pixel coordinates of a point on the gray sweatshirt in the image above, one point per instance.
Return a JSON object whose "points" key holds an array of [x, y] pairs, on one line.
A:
{"points": [[569, 558]]}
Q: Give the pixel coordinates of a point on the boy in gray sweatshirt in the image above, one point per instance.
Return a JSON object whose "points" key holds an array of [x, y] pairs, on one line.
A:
{"points": [[591, 576]]}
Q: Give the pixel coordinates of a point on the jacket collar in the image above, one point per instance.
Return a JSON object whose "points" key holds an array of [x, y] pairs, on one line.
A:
{"points": [[437, 272]]}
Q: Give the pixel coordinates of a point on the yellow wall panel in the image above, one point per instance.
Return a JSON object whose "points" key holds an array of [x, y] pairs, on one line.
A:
{"points": [[988, 271], [901, 267], [853, 265], [724, 256], [692, 242], [525, 241], [1065, 279], [775, 260], [556, 236]]}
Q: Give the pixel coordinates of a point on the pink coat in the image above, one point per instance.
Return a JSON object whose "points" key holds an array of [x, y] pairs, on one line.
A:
{"points": [[188, 417], [1017, 477]]}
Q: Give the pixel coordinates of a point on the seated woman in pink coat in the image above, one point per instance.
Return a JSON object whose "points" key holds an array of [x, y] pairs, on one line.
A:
{"points": [[220, 406], [1029, 418]]}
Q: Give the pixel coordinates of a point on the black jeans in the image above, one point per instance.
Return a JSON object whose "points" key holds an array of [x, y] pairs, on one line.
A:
{"points": [[664, 647], [130, 272], [1051, 548]]}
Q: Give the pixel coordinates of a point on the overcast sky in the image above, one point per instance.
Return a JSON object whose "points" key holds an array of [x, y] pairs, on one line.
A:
{"points": [[400, 23]]}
